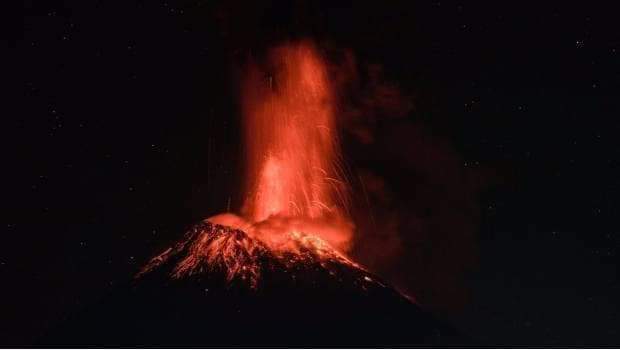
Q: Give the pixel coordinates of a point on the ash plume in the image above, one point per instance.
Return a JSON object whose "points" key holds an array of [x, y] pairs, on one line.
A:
{"points": [[414, 196]]}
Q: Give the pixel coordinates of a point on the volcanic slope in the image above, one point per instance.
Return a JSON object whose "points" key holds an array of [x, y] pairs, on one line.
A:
{"points": [[220, 286]]}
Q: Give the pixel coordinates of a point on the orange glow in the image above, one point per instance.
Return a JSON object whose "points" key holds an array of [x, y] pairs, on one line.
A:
{"points": [[294, 211], [209, 246], [294, 177]]}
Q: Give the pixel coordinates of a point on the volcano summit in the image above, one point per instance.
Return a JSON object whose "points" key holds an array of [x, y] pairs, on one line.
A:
{"points": [[221, 286]]}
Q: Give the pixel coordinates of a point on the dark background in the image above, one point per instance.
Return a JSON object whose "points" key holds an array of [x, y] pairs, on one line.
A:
{"points": [[125, 131]]}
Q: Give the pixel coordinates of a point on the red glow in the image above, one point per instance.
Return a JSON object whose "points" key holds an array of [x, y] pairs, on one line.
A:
{"points": [[295, 206], [294, 178]]}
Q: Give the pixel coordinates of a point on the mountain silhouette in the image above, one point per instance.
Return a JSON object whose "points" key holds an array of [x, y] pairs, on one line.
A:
{"points": [[220, 287]]}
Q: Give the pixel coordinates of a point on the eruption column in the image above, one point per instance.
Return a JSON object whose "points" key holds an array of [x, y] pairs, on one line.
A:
{"points": [[291, 144]]}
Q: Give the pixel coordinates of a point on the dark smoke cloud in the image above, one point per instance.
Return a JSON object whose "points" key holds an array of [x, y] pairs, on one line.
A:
{"points": [[415, 201]]}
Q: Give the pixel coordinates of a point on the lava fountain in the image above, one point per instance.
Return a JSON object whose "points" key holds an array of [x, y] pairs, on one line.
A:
{"points": [[294, 173], [295, 210]]}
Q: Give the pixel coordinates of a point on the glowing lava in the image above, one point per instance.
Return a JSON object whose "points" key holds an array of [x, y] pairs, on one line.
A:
{"points": [[294, 173], [241, 258], [294, 212]]}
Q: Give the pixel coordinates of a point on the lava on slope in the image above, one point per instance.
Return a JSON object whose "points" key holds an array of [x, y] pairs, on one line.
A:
{"points": [[241, 258], [221, 286]]}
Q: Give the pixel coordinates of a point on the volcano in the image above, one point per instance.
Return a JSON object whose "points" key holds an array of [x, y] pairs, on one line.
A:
{"points": [[278, 273], [221, 286]]}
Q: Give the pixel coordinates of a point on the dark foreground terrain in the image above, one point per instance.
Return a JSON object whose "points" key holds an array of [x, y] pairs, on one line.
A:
{"points": [[306, 303]]}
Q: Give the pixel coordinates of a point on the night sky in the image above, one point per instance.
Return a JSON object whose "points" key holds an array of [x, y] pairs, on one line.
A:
{"points": [[125, 131]]}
